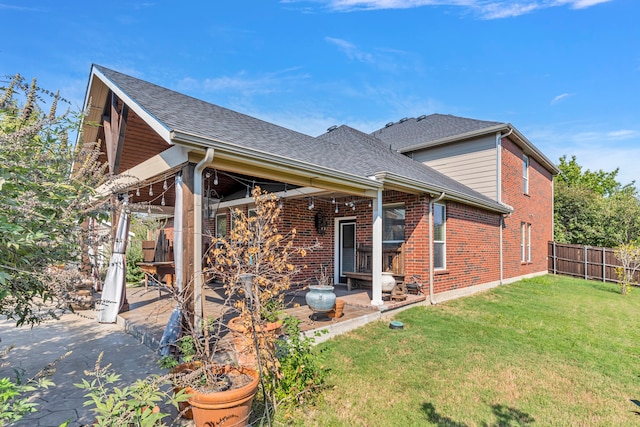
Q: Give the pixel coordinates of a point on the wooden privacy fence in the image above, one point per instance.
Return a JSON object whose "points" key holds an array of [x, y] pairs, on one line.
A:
{"points": [[586, 262]]}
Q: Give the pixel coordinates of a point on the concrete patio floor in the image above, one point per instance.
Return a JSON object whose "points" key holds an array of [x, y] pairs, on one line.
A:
{"points": [[150, 309]]}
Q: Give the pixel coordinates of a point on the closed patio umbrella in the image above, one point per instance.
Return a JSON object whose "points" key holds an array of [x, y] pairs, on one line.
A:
{"points": [[114, 283]]}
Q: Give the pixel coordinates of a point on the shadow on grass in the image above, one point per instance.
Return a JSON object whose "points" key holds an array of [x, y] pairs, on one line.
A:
{"points": [[505, 417], [637, 403]]}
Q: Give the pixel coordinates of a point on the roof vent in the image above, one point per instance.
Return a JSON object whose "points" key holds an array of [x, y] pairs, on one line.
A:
{"points": [[388, 124], [422, 117], [404, 119], [334, 127]]}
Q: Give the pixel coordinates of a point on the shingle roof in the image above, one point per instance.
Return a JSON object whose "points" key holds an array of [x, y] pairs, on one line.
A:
{"points": [[428, 129], [345, 149], [179, 112], [379, 157]]}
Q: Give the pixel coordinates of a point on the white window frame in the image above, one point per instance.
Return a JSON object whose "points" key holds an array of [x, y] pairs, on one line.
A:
{"points": [[525, 173], [528, 242], [525, 242], [221, 217], [444, 234]]}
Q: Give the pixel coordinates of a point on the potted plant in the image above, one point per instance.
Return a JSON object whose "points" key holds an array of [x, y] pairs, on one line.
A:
{"points": [[218, 393], [180, 362], [320, 297], [256, 264]]}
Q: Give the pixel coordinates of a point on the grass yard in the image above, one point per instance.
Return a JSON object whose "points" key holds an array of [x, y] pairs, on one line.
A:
{"points": [[549, 351]]}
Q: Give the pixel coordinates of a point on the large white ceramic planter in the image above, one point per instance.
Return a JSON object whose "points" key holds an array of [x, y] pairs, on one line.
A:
{"points": [[388, 282]]}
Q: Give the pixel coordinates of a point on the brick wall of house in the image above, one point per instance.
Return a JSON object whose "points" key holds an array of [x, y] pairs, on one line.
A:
{"points": [[473, 248], [473, 242], [535, 208], [473, 234], [295, 213]]}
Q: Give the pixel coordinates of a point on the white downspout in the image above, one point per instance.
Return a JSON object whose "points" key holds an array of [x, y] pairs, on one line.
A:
{"points": [[431, 202], [499, 167], [376, 251], [499, 137], [198, 305], [501, 224], [499, 194]]}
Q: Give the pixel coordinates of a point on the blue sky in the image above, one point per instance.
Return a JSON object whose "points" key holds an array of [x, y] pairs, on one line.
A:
{"points": [[564, 72]]}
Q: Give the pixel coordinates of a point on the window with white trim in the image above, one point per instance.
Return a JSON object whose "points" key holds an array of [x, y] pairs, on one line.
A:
{"points": [[393, 223], [439, 236], [528, 242], [525, 173], [525, 242], [221, 225]]}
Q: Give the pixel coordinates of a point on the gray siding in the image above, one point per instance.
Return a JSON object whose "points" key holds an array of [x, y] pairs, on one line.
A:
{"points": [[472, 163]]}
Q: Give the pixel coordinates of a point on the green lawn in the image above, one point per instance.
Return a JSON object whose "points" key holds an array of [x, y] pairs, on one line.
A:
{"points": [[550, 351]]}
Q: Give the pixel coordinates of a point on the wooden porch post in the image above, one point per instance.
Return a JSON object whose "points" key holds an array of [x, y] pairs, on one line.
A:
{"points": [[187, 239], [376, 251]]}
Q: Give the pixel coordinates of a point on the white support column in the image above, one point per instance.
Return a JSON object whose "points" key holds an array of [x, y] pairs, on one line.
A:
{"points": [[198, 300], [376, 251]]}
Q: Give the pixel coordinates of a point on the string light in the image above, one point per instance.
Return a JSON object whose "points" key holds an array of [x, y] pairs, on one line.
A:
{"points": [[162, 202], [311, 204], [247, 193], [215, 177], [280, 203], [333, 200], [370, 203], [138, 191], [337, 208], [165, 187], [151, 189]]}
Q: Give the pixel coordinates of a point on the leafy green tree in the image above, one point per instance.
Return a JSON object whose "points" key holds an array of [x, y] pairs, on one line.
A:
{"points": [[593, 208], [46, 190], [600, 182]]}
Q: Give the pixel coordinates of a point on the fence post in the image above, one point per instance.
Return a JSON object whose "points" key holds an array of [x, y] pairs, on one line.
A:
{"points": [[604, 265], [555, 258], [585, 262]]}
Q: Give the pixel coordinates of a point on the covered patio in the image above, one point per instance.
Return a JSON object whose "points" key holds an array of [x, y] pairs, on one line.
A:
{"points": [[196, 165], [150, 309]]}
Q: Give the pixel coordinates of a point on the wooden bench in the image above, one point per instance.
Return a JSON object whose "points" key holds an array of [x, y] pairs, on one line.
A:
{"points": [[392, 260], [158, 261]]}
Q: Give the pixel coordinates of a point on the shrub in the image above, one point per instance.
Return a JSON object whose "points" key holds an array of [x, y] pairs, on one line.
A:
{"points": [[629, 256], [301, 375]]}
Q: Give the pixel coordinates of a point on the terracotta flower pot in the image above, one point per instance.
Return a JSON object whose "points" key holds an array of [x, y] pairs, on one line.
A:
{"points": [[336, 313], [230, 408], [184, 407], [243, 341]]}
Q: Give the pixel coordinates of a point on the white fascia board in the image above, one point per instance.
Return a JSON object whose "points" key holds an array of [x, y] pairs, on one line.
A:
{"points": [[261, 158], [423, 187], [453, 138], [151, 120], [148, 169]]}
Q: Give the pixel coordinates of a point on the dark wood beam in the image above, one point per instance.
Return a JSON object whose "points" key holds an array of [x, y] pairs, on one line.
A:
{"points": [[115, 124]]}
